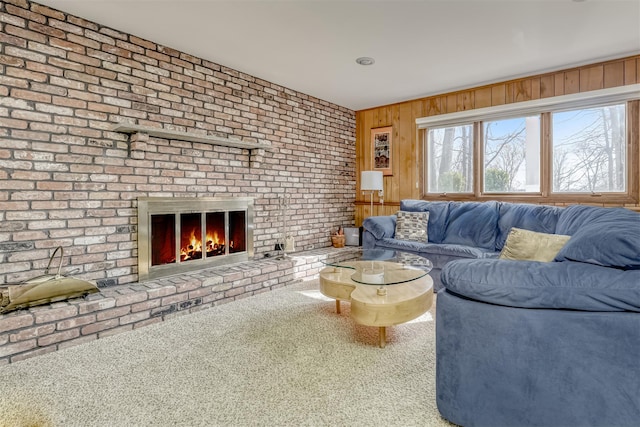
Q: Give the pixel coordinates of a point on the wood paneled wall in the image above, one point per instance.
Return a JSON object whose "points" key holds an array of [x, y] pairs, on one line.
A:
{"points": [[406, 181]]}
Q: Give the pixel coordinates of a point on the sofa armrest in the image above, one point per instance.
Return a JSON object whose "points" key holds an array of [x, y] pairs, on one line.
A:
{"points": [[381, 226]]}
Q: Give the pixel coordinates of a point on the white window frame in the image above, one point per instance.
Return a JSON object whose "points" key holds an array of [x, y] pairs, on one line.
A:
{"points": [[482, 151], [552, 146], [581, 100], [563, 102], [474, 129]]}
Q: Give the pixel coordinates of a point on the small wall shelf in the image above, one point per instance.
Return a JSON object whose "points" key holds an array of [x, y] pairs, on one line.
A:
{"points": [[191, 137]]}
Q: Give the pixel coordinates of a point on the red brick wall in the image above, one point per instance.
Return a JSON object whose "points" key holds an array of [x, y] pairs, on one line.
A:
{"points": [[66, 179]]}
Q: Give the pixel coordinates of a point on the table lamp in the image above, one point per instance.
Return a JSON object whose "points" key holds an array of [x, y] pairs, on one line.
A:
{"points": [[372, 181]]}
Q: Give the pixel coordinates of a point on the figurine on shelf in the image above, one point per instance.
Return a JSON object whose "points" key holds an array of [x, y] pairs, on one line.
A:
{"points": [[338, 238]]}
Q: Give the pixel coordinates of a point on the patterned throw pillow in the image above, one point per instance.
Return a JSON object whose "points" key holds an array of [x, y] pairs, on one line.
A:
{"points": [[412, 226]]}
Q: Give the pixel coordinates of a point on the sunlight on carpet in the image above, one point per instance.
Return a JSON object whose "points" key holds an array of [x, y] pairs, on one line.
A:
{"points": [[315, 294]]}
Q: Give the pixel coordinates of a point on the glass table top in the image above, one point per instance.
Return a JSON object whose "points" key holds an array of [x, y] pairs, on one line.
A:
{"points": [[381, 266]]}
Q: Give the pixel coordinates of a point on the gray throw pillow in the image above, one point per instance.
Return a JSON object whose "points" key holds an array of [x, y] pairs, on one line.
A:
{"points": [[412, 226]]}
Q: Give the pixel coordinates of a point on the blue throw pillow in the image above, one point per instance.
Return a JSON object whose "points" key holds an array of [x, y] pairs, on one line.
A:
{"points": [[472, 224], [602, 236], [380, 226]]}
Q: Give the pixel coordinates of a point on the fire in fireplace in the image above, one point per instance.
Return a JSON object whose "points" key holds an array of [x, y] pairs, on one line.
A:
{"points": [[177, 235]]}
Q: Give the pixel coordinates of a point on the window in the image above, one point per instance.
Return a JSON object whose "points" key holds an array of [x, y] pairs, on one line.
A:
{"points": [[589, 150], [451, 159], [566, 149], [512, 155]]}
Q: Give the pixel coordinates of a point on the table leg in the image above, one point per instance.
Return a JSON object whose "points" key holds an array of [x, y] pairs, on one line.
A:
{"points": [[383, 336], [338, 306]]}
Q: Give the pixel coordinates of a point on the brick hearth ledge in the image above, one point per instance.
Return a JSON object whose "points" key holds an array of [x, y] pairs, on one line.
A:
{"points": [[39, 330]]}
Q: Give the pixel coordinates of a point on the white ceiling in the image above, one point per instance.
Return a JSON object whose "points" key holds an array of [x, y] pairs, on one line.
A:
{"points": [[421, 48]]}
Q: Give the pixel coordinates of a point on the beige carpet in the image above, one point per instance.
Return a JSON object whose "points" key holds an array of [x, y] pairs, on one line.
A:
{"points": [[282, 358]]}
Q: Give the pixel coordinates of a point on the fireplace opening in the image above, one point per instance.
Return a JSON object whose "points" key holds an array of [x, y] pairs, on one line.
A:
{"points": [[176, 233], [237, 233], [193, 244], [163, 239], [190, 237], [216, 239]]}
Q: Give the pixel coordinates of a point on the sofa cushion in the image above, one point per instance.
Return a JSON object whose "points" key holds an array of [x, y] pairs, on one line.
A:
{"points": [[412, 226], [531, 284], [438, 212], [526, 216], [472, 224], [526, 245], [438, 253], [602, 236], [436, 248]]}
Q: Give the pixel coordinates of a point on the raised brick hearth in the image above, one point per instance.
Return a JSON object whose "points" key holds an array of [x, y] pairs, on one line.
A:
{"points": [[44, 329]]}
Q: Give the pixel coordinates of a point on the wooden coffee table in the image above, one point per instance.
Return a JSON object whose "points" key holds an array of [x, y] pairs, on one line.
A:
{"points": [[382, 293]]}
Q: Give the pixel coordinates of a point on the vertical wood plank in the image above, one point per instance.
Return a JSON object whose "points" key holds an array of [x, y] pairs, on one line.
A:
{"points": [[375, 114], [399, 149], [442, 104], [591, 78], [558, 84], [631, 67], [522, 90], [406, 164], [451, 103], [571, 82], [380, 117], [509, 93], [482, 97], [433, 106], [613, 74], [464, 101], [360, 166], [535, 88], [547, 87], [384, 117], [498, 94]]}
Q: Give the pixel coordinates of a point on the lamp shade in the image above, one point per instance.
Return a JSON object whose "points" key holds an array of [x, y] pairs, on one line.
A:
{"points": [[371, 180]]}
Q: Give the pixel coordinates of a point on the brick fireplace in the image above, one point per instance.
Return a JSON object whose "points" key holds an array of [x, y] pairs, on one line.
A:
{"points": [[68, 178], [93, 121], [185, 234]]}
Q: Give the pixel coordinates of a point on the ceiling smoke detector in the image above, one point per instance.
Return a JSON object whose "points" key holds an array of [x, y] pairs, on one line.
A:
{"points": [[365, 60]]}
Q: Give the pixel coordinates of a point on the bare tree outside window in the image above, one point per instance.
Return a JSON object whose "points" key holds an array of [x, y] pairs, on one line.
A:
{"points": [[589, 150], [450, 159], [512, 155]]}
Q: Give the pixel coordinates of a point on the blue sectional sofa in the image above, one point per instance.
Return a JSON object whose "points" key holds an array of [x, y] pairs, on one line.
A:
{"points": [[530, 343], [459, 230]]}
